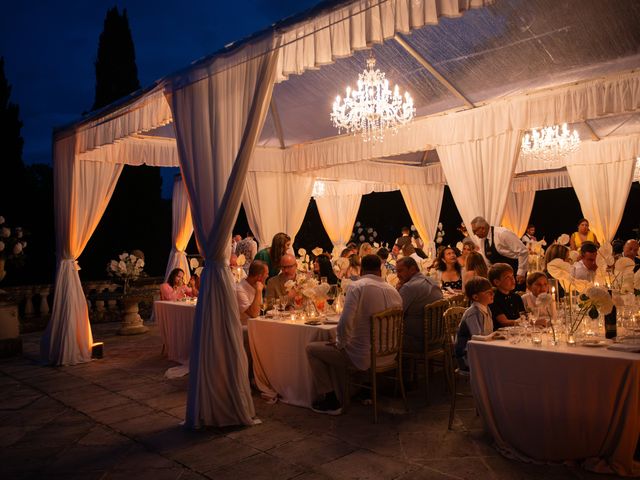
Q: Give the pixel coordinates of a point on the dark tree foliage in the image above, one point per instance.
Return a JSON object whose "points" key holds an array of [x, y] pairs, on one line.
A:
{"points": [[116, 71], [137, 217], [11, 142]]}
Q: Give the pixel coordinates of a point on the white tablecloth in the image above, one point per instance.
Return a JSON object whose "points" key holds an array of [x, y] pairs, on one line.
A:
{"points": [[557, 404], [175, 321], [280, 364]]}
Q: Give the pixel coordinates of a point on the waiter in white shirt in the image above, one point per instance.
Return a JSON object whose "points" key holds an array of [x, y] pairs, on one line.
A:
{"points": [[501, 245]]}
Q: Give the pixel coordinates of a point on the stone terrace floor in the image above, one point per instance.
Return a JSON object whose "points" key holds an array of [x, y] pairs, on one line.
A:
{"points": [[119, 417]]}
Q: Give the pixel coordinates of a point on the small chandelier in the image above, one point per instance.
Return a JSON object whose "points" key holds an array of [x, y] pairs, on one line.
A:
{"points": [[372, 108], [550, 144]]}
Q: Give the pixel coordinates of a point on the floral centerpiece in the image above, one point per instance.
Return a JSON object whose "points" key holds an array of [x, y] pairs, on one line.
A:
{"points": [[12, 245], [127, 268], [303, 260], [592, 299], [306, 287]]}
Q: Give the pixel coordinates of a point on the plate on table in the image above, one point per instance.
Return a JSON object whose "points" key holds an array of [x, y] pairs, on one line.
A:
{"points": [[332, 320], [595, 342], [313, 322]]}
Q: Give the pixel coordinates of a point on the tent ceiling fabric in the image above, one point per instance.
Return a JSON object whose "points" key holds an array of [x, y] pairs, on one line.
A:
{"points": [[496, 54]]}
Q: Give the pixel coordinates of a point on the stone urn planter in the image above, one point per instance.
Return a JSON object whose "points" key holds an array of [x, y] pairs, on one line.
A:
{"points": [[132, 323], [10, 341]]}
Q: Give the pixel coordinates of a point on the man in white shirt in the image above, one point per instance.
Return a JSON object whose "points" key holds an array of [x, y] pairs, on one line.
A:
{"points": [[249, 291], [586, 268], [501, 245], [329, 361]]}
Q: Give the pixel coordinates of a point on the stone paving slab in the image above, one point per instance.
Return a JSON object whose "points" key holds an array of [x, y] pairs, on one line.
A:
{"points": [[120, 418]]}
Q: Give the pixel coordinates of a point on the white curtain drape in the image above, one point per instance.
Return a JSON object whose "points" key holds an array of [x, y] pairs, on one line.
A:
{"points": [[601, 174], [218, 120], [276, 202], [82, 192], [424, 203], [479, 174], [181, 230], [517, 211], [338, 214]]}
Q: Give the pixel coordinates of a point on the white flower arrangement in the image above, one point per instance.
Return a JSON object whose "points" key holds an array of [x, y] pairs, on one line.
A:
{"points": [[12, 245], [563, 239], [615, 274], [128, 267], [308, 287], [362, 233], [439, 234]]}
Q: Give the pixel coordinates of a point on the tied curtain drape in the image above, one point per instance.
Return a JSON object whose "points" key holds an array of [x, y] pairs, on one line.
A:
{"points": [[276, 202], [181, 230], [217, 120], [601, 174], [424, 203], [338, 214], [518, 210], [82, 192], [479, 174]]}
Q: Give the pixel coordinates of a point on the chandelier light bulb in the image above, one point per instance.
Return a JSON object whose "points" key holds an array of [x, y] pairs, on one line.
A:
{"points": [[550, 144], [372, 109]]}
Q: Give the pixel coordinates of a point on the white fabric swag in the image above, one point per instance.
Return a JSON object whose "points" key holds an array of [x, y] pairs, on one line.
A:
{"points": [[601, 174], [81, 197], [479, 175], [338, 214], [276, 202], [424, 203], [518, 211], [218, 120], [181, 230]]}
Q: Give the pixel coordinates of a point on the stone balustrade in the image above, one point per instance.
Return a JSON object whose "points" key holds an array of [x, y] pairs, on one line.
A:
{"points": [[35, 301]]}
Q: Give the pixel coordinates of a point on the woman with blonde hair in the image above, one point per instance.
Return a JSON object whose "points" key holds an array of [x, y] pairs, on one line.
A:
{"points": [[475, 266]]}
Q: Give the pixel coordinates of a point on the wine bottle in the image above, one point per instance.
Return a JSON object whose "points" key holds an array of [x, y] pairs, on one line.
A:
{"points": [[610, 323]]}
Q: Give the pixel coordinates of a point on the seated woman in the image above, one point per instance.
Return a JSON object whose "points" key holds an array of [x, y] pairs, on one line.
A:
{"points": [[468, 246], [280, 243], [582, 235], [449, 271], [325, 269], [536, 284], [194, 284], [474, 267], [353, 270], [556, 251], [476, 319], [174, 288]]}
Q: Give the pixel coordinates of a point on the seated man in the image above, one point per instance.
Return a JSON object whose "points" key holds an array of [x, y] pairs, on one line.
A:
{"points": [[630, 250], [249, 291], [586, 268], [329, 361], [288, 271], [249, 297], [416, 291], [507, 305]]}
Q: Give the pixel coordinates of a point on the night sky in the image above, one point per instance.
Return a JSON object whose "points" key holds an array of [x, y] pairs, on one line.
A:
{"points": [[50, 48]]}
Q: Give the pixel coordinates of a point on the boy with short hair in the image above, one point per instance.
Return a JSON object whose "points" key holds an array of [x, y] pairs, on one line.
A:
{"points": [[507, 305]]}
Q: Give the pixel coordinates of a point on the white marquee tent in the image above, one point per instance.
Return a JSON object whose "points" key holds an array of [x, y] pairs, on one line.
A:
{"points": [[251, 124]]}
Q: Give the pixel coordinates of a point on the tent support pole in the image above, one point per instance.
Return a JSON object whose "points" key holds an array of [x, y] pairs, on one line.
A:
{"points": [[276, 121], [422, 61]]}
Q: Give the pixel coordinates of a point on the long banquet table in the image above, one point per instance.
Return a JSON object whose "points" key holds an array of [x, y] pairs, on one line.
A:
{"points": [[175, 322], [280, 365], [560, 403]]}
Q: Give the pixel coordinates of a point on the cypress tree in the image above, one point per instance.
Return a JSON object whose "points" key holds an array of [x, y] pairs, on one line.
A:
{"points": [[136, 217], [12, 191]]}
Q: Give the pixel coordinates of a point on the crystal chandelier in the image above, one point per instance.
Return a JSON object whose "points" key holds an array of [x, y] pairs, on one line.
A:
{"points": [[372, 108], [550, 144]]}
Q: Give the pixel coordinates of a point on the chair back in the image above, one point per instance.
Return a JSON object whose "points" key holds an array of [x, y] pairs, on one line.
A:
{"points": [[434, 324], [386, 339], [458, 300], [452, 319]]}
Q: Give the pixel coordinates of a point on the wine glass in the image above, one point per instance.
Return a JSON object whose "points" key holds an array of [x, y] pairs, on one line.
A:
{"points": [[331, 294], [276, 306]]}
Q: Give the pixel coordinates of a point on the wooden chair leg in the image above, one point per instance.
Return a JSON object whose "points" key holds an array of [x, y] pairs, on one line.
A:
{"points": [[454, 394], [426, 380], [374, 396], [399, 379]]}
